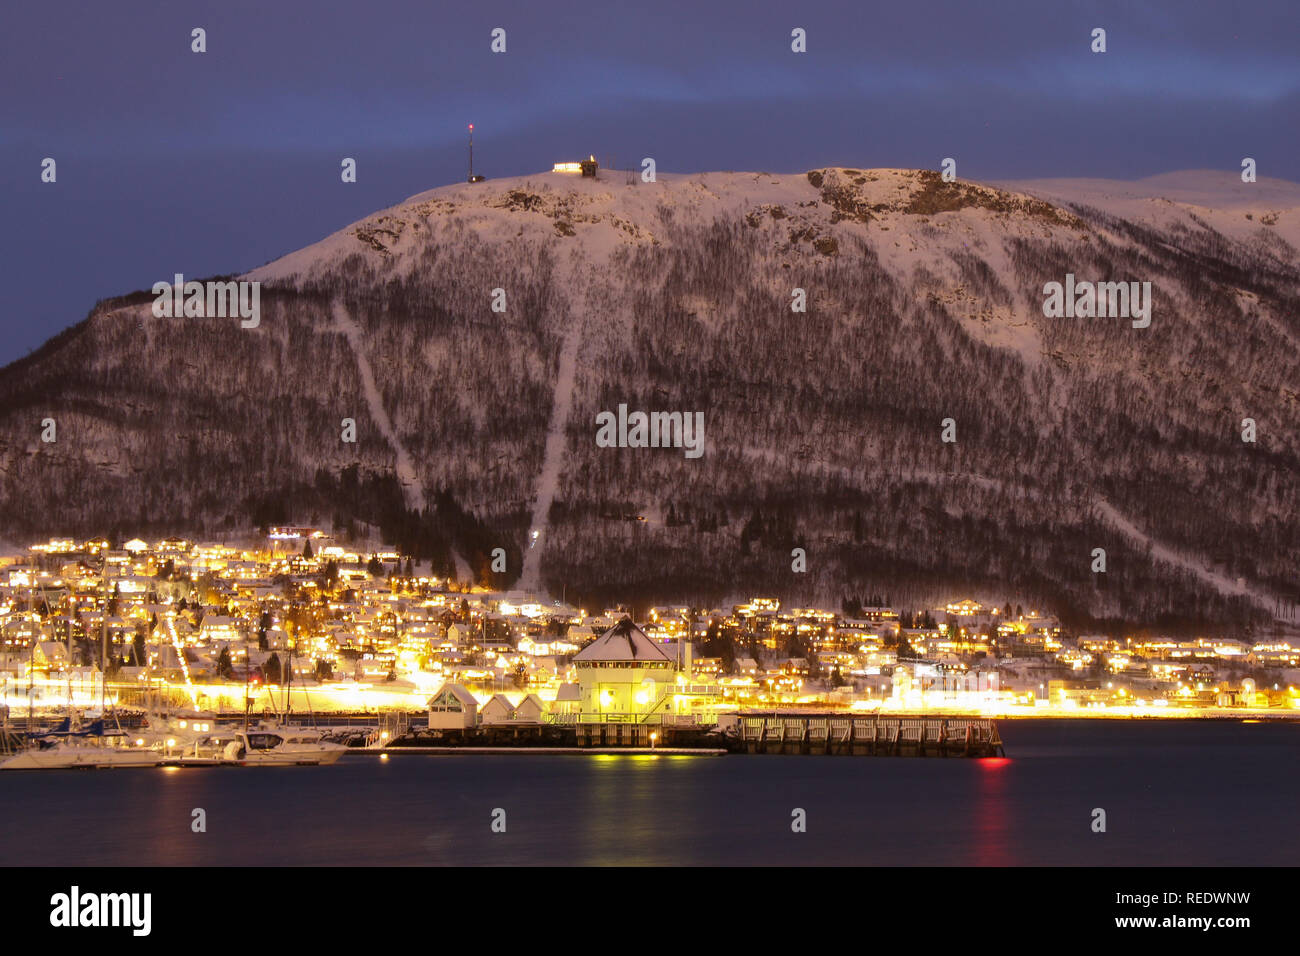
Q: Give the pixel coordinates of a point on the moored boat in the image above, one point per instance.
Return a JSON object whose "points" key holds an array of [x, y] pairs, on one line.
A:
{"points": [[265, 747], [78, 754], [282, 747]]}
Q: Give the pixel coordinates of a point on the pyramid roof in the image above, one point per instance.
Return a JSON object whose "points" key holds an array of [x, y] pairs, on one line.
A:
{"points": [[622, 642]]}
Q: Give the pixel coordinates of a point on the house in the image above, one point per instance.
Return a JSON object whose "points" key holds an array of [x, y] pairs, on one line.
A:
{"points": [[530, 709], [498, 710], [966, 608], [1274, 654], [452, 707], [880, 615], [580, 634], [795, 667], [49, 656], [219, 627], [461, 635], [708, 666]]}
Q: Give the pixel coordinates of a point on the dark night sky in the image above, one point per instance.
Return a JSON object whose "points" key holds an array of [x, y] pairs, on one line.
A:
{"points": [[170, 161]]}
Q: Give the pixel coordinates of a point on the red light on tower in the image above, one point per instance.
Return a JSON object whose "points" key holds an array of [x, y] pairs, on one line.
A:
{"points": [[472, 178]]}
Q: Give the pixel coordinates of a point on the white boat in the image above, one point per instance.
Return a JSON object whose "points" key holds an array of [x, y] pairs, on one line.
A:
{"points": [[282, 747], [68, 756], [259, 747], [206, 751], [177, 733]]}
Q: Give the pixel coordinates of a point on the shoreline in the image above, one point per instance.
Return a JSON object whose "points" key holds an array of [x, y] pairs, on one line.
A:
{"points": [[544, 751], [1145, 718]]}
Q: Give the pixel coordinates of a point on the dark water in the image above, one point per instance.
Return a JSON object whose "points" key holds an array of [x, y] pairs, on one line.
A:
{"points": [[1191, 793]]}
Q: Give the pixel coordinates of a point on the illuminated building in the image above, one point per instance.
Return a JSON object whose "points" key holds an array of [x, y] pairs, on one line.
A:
{"points": [[452, 707], [587, 167], [624, 672]]}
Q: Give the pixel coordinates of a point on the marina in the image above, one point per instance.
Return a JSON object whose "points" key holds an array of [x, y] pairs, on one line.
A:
{"points": [[175, 741], [158, 740]]}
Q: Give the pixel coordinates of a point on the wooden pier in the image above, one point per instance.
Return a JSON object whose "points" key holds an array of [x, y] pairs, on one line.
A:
{"points": [[871, 736], [615, 734], [544, 751], [865, 735], [561, 737]]}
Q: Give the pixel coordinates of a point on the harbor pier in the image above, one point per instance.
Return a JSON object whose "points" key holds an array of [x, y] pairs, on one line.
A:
{"points": [[839, 734], [873, 736]]}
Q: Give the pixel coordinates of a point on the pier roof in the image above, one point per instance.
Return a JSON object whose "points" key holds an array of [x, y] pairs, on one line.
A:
{"points": [[622, 642]]}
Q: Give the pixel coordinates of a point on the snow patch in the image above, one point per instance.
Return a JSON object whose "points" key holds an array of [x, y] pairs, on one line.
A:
{"points": [[412, 490]]}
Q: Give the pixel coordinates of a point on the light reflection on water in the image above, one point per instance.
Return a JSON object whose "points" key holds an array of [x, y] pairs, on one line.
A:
{"points": [[1173, 794]]}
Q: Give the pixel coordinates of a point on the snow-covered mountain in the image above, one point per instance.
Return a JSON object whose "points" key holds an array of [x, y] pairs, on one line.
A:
{"points": [[924, 302]]}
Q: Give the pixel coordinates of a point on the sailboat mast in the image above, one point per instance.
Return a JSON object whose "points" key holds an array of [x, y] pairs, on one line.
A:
{"points": [[68, 667], [31, 658], [103, 642], [31, 670], [248, 668], [288, 679]]}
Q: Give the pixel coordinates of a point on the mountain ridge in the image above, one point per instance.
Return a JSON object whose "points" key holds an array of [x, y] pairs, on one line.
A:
{"points": [[924, 303]]}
